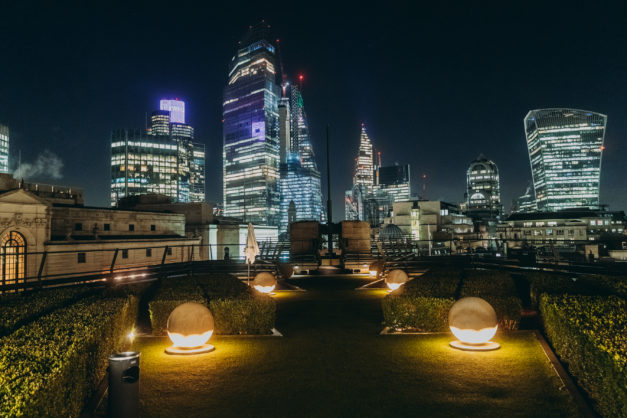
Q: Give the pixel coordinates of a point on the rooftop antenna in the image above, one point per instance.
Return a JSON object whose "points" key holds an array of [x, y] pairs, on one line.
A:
{"points": [[424, 187]]}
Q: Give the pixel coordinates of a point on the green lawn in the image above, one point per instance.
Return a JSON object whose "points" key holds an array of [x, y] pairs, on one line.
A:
{"points": [[332, 362]]}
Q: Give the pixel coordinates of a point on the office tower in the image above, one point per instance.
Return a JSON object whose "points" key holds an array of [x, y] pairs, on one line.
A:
{"points": [[565, 148], [300, 179], [164, 160], [143, 164], [395, 181], [483, 192], [4, 149], [364, 174], [251, 132], [363, 180], [176, 108]]}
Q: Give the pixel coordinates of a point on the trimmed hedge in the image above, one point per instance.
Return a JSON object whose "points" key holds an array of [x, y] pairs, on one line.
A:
{"points": [[422, 304], [235, 307], [17, 309], [499, 290], [51, 366], [588, 333], [427, 314], [245, 315], [553, 284]]}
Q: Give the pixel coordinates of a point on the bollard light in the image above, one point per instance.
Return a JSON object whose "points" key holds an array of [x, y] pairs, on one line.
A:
{"points": [[264, 282], [473, 321], [190, 326]]}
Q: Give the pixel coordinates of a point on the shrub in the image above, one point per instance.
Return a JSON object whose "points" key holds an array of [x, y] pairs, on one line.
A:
{"points": [[236, 310], [17, 309], [407, 311], [588, 333], [499, 290], [438, 283], [49, 367], [244, 315], [553, 284]]}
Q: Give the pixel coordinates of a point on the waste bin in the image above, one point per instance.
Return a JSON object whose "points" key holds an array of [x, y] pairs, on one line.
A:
{"points": [[124, 384]]}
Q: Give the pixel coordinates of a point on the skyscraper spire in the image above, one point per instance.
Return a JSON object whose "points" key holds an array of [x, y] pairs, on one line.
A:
{"points": [[364, 168]]}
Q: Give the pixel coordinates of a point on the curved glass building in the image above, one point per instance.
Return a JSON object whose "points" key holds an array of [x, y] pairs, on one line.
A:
{"points": [[565, 148]]}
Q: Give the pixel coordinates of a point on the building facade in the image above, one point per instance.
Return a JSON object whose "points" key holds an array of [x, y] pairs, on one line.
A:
{"points": [[483, 193], [163, 159], [363, 180], [251, 132], [565, 149], [300, 183], [4, 149]]}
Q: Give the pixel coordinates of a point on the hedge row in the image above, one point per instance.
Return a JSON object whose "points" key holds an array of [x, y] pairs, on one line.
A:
{"points": [[588, 333], [50, 366], [553, 284], [406, 311], [499, 290], [235, 307], [423, 303], [17, 309]]}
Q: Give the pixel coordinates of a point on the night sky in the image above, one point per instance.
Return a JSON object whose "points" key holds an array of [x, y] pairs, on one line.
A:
{"points": [[436, 83]]}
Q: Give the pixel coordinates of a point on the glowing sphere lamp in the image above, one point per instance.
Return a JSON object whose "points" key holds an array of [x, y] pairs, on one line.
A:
{"points": [[264, 282], [473, 321], [190, 326], [396, 279]]}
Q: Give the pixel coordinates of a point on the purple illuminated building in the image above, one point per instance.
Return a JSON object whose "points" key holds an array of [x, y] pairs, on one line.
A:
{"points": [[251, 132], [176, 108]]}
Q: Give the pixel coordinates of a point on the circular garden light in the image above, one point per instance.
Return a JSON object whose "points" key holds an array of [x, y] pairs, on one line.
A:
{"points": [[190, 326], [396, 279], [473, 321], [264, 282]]}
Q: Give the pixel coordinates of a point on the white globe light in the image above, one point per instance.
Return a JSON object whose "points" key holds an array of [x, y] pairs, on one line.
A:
{"points": [[264, 282], [396, 279], [473, 321], [190, 326]]}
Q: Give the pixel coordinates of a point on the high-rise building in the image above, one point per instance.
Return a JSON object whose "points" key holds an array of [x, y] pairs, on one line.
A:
{"points": [[395, 181], [364, 168], [251, 131], [164, 160], [565, 148], [300, 179], [363, 181], [4, 149], [483, 193], [176, 108]]}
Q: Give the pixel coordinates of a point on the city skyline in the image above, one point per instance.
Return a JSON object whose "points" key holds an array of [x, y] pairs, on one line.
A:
{"points": [[408, 132]]}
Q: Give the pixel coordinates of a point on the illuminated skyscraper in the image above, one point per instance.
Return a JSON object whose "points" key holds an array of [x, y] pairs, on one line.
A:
{"points": [[483, 193], [300, 178], [363, 180], [364, 169], [251, 132], [176, 108], [163, 160], [565, 149], [4, 149]]}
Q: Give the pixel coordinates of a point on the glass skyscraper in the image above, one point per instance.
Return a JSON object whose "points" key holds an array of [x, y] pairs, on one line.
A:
{"points": [[363, 180], [300, 178], [164, 159], [565, 149], [251, 132], [4, 149], [483, 190]]}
